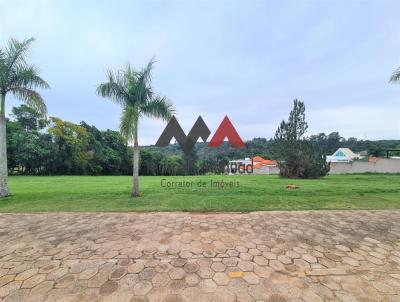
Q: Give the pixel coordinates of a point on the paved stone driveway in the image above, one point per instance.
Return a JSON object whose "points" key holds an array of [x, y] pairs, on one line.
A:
{"points": [[269, 256]]}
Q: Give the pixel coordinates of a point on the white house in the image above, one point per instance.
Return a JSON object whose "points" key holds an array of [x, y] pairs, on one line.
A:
{"points": [[256, 165], [342, 155]]}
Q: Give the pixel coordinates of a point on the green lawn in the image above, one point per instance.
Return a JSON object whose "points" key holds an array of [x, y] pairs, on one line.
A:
{"points": [[255, 192]]}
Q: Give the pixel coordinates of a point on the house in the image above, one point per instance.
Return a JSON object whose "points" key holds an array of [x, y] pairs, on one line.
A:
{"points": [[233, 165], [264, 166], [343, 162], [342, 155], [256, 165], [259, 162]]}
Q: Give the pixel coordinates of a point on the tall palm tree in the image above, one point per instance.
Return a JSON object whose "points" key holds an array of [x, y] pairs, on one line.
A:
{"points": [[133, 91], [395, 78], [20, 79]]}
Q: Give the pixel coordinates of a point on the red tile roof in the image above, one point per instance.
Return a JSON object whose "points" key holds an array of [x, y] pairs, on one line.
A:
{"points": [[258, 162]]}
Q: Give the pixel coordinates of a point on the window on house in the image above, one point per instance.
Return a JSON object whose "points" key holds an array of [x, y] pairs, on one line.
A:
{"points": [[340, 154]]}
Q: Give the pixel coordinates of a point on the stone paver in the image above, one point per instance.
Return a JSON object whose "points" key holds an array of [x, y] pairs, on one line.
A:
{"points": [[266, 256]]}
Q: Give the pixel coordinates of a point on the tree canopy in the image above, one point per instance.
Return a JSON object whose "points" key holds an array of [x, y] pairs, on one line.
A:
{"points": [[45, 146]]}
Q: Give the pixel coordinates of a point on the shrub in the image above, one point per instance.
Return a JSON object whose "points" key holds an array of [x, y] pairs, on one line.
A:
{"points": [[297, 156]]}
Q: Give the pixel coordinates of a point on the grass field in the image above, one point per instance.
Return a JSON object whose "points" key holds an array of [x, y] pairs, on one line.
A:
{"points": [[248, 193]]}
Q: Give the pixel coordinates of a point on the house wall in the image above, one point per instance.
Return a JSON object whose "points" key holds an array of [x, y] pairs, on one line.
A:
{"points": [[267, 170], [383, 165]]}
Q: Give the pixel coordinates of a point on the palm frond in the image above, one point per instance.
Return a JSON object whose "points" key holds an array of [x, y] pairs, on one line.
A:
{"points": [[131, 79], [129, 73], [16, 52], [27, 77], [132, 89], [3, 70], [146, 72], [115, 88], [129, 121], [159, 107], [32, 98], [143, 91], [395, 78], [2, 59]]}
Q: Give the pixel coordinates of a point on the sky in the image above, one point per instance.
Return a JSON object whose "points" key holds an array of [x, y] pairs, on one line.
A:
{"points": [[245, 59]]}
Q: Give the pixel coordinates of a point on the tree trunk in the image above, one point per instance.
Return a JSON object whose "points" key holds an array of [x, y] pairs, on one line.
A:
{"points": [[3, 151], [135, 192]]}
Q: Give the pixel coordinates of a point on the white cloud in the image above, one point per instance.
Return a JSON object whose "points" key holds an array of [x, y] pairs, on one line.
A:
{"points": [[365, 122]]}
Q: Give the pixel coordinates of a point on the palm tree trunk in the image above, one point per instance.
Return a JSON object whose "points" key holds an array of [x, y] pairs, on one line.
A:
{"points": [[135, 192], [3, 150]]}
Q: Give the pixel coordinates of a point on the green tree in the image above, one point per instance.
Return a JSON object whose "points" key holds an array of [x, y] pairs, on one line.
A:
{"points": [[133, 90], [107, 152], [27, 147], [116, 153], [175, 165], [71, 141], [297, 156], [206, 165], [96, 157], [29, 118], [15, 139], [190, 162], [19, 79], [327, 143], [147, 163]]}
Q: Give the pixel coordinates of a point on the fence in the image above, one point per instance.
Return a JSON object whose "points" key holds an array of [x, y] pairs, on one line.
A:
{"points": [[382, 165]]}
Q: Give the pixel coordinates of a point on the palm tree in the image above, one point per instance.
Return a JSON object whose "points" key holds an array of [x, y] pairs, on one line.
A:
{"points": [[395, 78], [133, 91], [20, 79]]}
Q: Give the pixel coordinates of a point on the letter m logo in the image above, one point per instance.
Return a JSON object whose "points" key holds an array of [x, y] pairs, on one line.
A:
{"points": [[226, 130], [199, 129], [187, 143]]}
